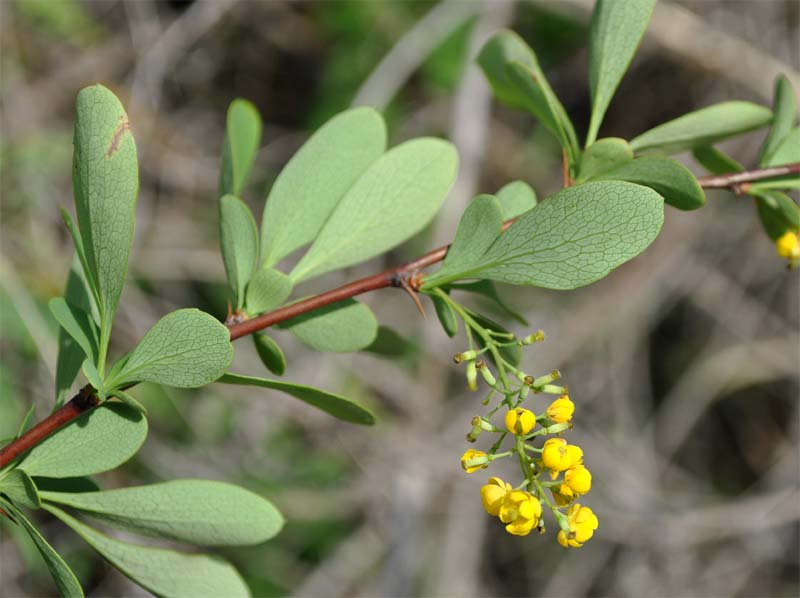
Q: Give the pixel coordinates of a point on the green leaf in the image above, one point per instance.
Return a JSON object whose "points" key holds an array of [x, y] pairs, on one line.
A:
{"points": [[670, 179], [603, 155], [160, 571], [25, 424], [105, 181], [66, 484], [270, 353], [515, 199], [487, 289], [516, 78], [238, 239], [99, 440], [393, 200], [617, 28], [186, 348], [787, 182], [199, 512], [389, 343], [64, 578], [703, 127], [785, 117], [342, 327], [336, 405], [85, 272], [778, 213], [788, 151], [575, 237], [129, 401], [18, 486], [94, 378], [242, 138], [447, 318], [316, 178], [70, 354], [480, 225], [511, 353], [267, 290], [715, 161], [78, 324]]}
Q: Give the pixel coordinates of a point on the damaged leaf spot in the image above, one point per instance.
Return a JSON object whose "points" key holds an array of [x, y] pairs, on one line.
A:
{"points": [[117, 138]]}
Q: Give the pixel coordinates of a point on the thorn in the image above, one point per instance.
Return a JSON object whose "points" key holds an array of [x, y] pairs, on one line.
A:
{"points": [[413, 294]]}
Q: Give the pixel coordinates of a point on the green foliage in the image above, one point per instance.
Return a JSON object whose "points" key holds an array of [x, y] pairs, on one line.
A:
{"points": [[513, 71], [268, 289], [715, 161], [199, 512], [603, 155], [163, 572], [342, 327], [785, 118], [270, 353], [238, 239], [617, 28], [393, 200], [488, 290], [65, 579], [336, 405], [242, 138], [316, 178], [670, 179], [515, 199], [787, 151], [445, 315], [778, 212], [573, 238], [77, 324], [97, 441], [703, 127], [105, 181], [18, 486], [187, 348]]}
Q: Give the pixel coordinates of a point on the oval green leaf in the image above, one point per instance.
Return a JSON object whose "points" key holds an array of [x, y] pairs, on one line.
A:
{"points": [[603, 155], [670, 179], [268, 289], [788, 151], [778, 213], [270, 353], [64, 578], [105, 179], [238, 239], [703, 127], [447, 318], [516, 198], [99, 440], [18, 486], [242, 138], [78, 324], [333, 404], [316, 178], [393, 200], [186, 348], [343, 327], [162, 572], [575, 237], [715, 161], [617, 28], [202, 512], [785, 110]]}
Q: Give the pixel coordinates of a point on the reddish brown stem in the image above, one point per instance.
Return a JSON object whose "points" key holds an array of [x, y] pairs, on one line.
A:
{"points": [[406, 275]]}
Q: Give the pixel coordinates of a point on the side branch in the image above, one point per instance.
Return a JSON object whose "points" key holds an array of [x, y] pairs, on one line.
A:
{"points": [[85, 400]]}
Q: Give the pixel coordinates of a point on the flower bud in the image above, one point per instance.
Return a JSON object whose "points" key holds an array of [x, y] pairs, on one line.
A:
{"points": [[472, 460], [788, 246], [487, 375], [536, 337], [472, 376], [561, 410], [520, 421], [577, 481]]}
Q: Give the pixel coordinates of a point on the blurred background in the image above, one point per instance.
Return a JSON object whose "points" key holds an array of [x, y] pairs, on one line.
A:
{"points": [[683, 364]]}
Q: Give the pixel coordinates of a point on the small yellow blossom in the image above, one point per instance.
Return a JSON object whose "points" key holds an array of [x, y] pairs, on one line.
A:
{"points": [[555, 456], [520, 421], [493, 494], [582, 523], [561, 410], [575, 454], [473, 460], [788, 246], [521, 511], [560, 499], [577, 481]]}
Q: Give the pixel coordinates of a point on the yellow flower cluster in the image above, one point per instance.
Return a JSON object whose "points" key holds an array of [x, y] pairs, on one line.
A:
{"points": [[519, 510]]}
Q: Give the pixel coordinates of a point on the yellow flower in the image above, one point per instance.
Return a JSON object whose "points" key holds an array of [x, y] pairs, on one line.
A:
{"points": [[561, 410], [558, 456], [577, 481], [493, 494], [473, 460], [560, 499], [788, 246], [575, 454], [520, 421], [521, 511], [582, 523]]}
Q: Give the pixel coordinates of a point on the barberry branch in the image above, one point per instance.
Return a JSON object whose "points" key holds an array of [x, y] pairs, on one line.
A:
{"points": [[404, 276]]}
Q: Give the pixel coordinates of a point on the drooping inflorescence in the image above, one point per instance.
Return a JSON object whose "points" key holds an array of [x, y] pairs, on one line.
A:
{"points": [[553, 474]]}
